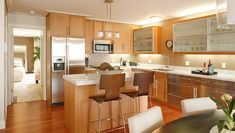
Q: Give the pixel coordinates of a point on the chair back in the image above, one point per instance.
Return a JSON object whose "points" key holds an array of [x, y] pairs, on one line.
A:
{"points": [[147, 121], [197, 105], [143, 81], [112, 84]]}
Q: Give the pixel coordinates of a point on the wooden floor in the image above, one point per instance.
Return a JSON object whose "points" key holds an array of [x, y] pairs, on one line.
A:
{"points": [[37, 117]]}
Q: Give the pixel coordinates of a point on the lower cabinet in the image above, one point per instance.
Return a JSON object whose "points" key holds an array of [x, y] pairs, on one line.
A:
{"points": [[160, 87], [185, 87]]}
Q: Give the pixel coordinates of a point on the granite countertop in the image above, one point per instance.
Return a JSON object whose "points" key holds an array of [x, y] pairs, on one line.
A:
{"points": [[93, 78]]}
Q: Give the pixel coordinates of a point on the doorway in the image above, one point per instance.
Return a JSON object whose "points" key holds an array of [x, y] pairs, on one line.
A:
{"points": [[27, 65]]}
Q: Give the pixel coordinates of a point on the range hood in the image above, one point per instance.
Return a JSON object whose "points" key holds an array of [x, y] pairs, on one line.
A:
{"points": [[226, 14]]}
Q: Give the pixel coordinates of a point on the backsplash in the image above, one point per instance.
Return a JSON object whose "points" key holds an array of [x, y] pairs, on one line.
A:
{"points": [[194, 60]]}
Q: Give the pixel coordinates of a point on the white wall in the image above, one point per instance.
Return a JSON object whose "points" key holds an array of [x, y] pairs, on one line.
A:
{"points": [[2, 81], [29, 22]]}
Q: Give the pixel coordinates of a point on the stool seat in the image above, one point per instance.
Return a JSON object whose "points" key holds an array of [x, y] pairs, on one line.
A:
{"points": [[133, 94], [101, 98]]}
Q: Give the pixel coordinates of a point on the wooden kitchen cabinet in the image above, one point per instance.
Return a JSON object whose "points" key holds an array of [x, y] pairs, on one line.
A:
{"points": [[76, 26], [160, 90], [117, 27], [88, 35], [147, 40], [63, 25], [97, 27], [123, 44], [58, 24]]}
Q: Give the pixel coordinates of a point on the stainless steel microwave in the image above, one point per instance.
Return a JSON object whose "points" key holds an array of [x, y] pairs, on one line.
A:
{"points": [[103, 46]]}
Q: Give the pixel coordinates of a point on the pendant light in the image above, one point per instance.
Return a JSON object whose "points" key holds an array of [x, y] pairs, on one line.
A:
{"points": [[108, 34]]}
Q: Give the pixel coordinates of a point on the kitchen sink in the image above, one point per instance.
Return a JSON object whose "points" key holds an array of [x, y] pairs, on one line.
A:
{"points": [[162, 69]]}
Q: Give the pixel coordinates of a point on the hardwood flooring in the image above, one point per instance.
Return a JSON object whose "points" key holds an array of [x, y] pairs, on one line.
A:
{"points": [[37, 117]]}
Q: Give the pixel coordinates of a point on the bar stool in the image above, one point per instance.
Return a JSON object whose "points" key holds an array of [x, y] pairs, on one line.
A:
{"points": [[143, 81], [111, 84]]}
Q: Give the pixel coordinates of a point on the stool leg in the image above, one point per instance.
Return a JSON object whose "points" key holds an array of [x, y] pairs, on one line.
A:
{"points": [[133, 105], [99, 118], [138, 103], [150, 100], [88, 120], [120, 102], [111, 114]]}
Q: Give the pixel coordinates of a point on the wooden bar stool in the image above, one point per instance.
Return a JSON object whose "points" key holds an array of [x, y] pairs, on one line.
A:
{"points": [[143, 81], [111, 84]]}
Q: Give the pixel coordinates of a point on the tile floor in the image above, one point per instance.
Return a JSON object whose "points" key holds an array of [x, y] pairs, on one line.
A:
{"points": [[27, 90]]}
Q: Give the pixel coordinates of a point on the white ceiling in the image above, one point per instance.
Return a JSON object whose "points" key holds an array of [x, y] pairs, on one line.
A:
{"points": [[130, 11], [27, 32]]}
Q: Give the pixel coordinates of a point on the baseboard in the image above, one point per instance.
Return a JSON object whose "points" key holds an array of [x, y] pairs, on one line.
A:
{"points": [[2, 124]]}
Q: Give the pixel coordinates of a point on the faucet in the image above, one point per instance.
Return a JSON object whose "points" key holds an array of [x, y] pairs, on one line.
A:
{"points": [[120, 61], [168, 61]]}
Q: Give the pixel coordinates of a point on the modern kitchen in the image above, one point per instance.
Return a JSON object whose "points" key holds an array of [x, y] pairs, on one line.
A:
{"points": [[105, 68]]}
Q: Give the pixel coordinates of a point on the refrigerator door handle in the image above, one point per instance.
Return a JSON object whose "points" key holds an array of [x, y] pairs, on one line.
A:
{"points": [[68, 63]]}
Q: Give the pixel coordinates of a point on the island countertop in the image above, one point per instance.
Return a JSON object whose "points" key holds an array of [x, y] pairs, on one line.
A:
{"points": [[90, 78]]}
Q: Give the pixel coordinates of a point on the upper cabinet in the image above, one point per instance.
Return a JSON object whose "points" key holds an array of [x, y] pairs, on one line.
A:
{"points": [[203, 36], [88, 35], [58, 24], [98, 30], [123, 36], [76, 26], [147, 40], [65, 25]]}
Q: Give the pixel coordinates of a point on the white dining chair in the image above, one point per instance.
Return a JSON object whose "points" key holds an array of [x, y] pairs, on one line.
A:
{"points": [[147, 121], [197, 105]]}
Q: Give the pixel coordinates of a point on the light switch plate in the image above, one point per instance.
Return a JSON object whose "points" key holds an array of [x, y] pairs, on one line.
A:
{"points": [[223, 65], [150, 61], [187, 63]]}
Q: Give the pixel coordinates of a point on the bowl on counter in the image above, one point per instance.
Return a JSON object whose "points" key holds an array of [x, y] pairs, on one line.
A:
{"points": [[108, 72]]}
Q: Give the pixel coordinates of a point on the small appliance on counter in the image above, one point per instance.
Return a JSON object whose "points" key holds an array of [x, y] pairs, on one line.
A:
{"points": [[206, 70]]}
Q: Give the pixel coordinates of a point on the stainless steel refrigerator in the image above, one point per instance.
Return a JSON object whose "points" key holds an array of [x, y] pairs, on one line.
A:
{"points": [[68, 57]]}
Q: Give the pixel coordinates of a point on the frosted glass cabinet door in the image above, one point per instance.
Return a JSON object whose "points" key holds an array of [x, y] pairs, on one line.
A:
{"points": [[213, 27], [197, 27], [222, 42], [190, 44], [143, 40]]}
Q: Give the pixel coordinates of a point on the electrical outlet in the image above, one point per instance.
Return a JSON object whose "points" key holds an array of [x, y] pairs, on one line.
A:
{"points": [[223, 65], [187, 63], [150, 61]]}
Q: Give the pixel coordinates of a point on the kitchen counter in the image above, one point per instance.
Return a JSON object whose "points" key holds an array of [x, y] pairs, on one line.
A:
{"points": [[90, 78], [225, 75], [93, 78]]}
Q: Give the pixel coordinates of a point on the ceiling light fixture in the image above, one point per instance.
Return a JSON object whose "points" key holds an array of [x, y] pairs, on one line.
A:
{"points": [[150, 20]]}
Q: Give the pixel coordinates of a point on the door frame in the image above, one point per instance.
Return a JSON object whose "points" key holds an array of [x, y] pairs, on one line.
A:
{"points": [[10, 58]]}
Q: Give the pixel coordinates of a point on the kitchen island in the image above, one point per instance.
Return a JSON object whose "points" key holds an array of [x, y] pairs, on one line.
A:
{"points": [[77, 90]]}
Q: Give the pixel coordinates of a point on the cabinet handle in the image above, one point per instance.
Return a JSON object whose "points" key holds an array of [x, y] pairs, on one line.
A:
{"points": [[68, 30], [194, 92]]}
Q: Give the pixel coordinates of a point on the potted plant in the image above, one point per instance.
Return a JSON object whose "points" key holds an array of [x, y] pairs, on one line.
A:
{"points": [[36, 59], [228, 124]]}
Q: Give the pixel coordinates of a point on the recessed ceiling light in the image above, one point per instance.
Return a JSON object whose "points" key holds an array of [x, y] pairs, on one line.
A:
{"points": [[32, 12], [150, 20]]}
